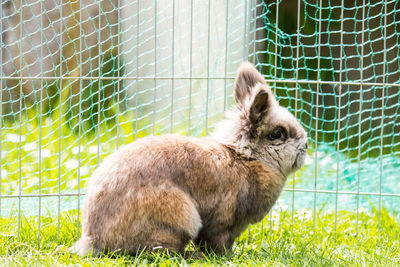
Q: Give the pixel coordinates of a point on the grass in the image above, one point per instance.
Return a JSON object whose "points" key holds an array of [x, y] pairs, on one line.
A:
{"points": [[287, 243]]}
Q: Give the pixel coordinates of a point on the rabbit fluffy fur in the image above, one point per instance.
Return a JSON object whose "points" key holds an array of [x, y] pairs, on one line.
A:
{"points": [[159, 193]]}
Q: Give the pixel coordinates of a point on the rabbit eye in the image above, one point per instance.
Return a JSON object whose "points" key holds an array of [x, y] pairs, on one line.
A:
{"points": [[277, 133]]}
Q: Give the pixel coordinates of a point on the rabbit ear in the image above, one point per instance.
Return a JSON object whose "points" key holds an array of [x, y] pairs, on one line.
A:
{"points": [[253, 96], [259, 105], [247, 77]]}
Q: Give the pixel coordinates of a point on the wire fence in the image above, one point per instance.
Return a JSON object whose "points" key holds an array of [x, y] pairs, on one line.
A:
{"points": [[79, 79]]}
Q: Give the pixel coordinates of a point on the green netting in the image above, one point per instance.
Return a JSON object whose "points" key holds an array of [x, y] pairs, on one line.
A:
{"points": [[79, 79], [335, 64]]}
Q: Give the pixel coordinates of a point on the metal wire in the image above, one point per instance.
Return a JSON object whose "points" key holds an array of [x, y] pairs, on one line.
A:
{"points": [[173, 66], [100, 54], [296, 94], [119, 52], [20, 129], [342, 192], [360, 114], [339, 116], [155, 66], [40, 130], [384, 80], [288, 189], [137, 68], [235, 43], [191, 66], [80, 120], [59, 130], [208, 62], [245, 21], [226, 49], [316, 117], [289, 81], [254, 30], [275, 74], [1, 103]]}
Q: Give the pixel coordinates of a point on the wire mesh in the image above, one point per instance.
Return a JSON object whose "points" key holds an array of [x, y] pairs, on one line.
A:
{"points": [[332, 61], [79, 79]]}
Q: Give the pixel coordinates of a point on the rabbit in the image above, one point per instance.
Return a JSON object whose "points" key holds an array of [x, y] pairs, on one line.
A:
{"points": [[162, 192]]}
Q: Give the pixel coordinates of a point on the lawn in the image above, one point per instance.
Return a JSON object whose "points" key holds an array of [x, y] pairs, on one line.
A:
{"points": [[281, 241]]}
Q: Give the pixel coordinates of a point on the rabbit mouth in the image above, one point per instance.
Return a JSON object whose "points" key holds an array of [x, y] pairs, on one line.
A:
{"points": [[300, 158]]}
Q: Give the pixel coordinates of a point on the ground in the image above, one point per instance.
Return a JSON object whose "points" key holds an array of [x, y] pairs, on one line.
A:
{"points": [[280, 240]]}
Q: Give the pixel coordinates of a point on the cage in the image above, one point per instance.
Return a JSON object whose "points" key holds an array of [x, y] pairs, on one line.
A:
{"points": [[80, 79]]}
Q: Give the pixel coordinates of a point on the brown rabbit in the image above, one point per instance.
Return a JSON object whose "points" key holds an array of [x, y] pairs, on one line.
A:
{"points": [[159, 193]]}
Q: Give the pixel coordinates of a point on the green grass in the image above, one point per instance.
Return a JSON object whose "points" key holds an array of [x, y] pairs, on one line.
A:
{"points": [[289, 243]]}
